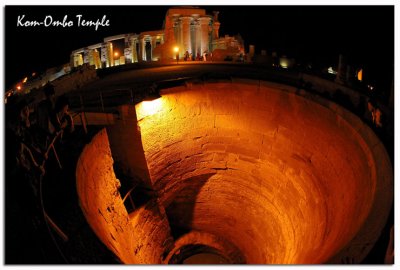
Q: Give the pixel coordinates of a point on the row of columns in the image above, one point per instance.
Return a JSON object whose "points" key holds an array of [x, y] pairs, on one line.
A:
{"points": [[134, 51], [192, 34]]}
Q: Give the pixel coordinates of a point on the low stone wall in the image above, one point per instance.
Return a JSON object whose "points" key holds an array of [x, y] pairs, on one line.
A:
{"points": [[74, 80]]}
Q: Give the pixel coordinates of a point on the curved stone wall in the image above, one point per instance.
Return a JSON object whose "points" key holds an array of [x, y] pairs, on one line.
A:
{"points": [[287, 179], [255, 172], [140, 237]]}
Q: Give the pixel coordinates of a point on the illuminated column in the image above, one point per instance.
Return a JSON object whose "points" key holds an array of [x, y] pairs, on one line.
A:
{"points": [[205, 40], [143, 49], [134, 51], [177, 32], [216, 30], [185, 26], [198, 38], [153, 45], [91, 58], [170, 31], [216, 25], [96, 58], [110, 54], [107, 58], [77, 59]]}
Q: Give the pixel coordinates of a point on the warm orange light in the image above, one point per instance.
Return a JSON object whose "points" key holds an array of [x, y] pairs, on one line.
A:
{"points": [[19, 87], [359, 75], [176, 49], [148, 108], [116, 54], [25, 80]]}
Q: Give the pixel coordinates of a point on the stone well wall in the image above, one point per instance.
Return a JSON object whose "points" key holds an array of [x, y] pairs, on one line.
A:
{"points": [[256, 171], [286, 178], [143, 236]]}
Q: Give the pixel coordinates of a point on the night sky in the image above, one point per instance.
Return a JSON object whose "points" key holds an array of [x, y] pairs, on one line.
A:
{"points": [[317, 34]]}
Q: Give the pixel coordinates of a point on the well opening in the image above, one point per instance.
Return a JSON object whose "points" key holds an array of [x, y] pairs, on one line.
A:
{"points": [[237, 165]]}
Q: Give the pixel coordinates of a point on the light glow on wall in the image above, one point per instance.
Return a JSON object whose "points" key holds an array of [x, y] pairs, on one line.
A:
{"points": [[148, 108]]}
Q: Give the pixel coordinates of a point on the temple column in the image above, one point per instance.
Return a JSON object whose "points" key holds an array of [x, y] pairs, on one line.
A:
{"points": [[216, 25], [216, 30], [134, 51], [185, 34], [198, 38], [107, 56], [143, 49], [205, 40]]}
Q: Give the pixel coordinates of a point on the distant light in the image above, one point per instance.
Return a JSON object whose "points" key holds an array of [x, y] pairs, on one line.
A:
{"points": [[116, 54], [360, 75], [370, 87], [284, 63], [25, 80], [331, 71], [19, 87], [176, 49], [33, 74]]}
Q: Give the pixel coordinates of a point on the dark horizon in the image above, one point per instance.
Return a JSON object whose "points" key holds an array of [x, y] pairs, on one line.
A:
{"points": [[318, 34]]}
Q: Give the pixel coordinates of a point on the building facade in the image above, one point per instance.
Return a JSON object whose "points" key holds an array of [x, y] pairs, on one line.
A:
{"points": [[187, 31]]}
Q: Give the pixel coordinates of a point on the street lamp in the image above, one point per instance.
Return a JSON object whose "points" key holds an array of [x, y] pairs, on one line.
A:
{"points": [[116, 58], [176, 50]]}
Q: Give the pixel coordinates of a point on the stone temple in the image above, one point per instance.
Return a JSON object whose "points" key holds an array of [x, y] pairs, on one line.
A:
{"points": [[185, 30]]}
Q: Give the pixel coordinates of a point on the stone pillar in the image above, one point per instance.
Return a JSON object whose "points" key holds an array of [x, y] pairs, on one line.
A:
{"points": [[96, 58], [107, 55], [143, 49], [198, 38], [216, 30], [193, 38], [77, 60], [177, 32], [205, 40], [91, 58], [170, 32], [110, 53], [134, 51], [185, 34]]}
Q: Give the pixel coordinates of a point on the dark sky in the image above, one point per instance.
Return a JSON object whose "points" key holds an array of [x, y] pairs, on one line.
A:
{"points": [[365, 34]]}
